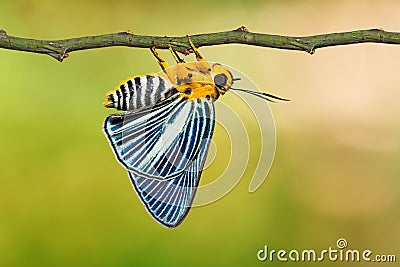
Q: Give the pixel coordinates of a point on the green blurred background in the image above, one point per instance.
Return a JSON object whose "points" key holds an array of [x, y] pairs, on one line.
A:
{"points": [[65, 201]]}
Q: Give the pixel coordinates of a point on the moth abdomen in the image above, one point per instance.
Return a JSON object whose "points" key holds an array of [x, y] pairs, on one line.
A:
{"points": [[138, 92]]}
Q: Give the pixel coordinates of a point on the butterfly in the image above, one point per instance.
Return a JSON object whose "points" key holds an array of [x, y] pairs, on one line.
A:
{"points": [[164, 133]]}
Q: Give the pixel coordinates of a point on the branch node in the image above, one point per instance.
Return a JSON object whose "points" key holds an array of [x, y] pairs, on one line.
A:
{"points": [[64, 56], [311, 51], [187, 51], [126, 32], [241, 29]]}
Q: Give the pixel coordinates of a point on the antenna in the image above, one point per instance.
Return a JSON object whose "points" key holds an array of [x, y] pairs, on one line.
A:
{"points": [[262, 95]]}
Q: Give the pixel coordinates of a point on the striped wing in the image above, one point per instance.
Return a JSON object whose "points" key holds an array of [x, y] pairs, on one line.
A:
{"points": [[169, 201], [164, 150], [163, 141]]}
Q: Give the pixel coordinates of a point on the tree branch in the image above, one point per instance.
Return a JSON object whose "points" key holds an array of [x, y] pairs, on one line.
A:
{"points": [[59, 49]]}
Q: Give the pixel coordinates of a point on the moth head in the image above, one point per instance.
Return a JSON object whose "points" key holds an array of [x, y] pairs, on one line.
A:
{"points": [[222, 78]]}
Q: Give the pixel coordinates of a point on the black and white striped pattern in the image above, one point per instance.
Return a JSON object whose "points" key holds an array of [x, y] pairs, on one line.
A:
{"points": [[164, 149], [140, 92], [162, 142]]}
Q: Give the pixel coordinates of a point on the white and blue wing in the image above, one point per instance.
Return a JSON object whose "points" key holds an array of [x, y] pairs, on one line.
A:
{"points": [[164, 150], [169, 201], [158, 142]]}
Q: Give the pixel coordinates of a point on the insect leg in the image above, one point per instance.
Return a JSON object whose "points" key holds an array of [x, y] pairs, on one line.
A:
{"points": [[161, 62], [177, 58], [196, 52]]}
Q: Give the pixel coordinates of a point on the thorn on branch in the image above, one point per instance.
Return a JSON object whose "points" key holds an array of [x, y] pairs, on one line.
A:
{"points": [[64, 55], [3, 32], [187, 51], [311, 51], [242, 29]]}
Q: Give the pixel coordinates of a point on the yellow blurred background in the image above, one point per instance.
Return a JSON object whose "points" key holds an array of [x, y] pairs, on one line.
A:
{"points": [[65, 201]]}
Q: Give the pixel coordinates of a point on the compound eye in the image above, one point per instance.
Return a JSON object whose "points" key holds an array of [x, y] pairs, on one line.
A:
{"points": [[220, 80]]}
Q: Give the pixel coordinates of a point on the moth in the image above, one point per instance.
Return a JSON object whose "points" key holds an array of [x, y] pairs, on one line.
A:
{"points": [[163, 134]]}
